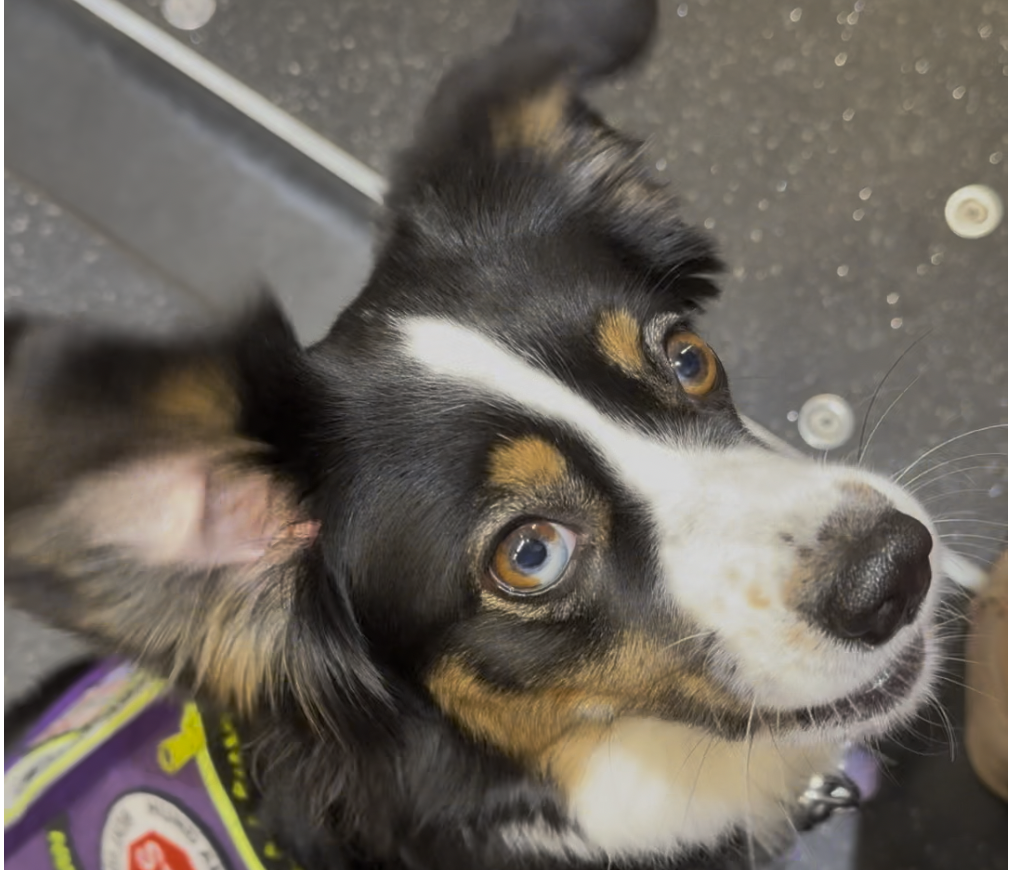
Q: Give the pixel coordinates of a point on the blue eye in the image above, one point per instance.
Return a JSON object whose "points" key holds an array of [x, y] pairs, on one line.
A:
{"points": [[533, 557], [693, 363], [531, 554], [688, 363]]}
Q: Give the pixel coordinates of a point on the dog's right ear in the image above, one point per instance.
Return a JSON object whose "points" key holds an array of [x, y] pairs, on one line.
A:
{"points": [[508, 145], [157, 501], [523, 95]]}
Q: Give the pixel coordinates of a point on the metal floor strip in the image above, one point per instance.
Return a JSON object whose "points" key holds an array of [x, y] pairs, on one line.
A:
{"points": [[241, 97]]}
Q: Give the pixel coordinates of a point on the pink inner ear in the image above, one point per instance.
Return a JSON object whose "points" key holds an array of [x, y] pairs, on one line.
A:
{"points": [[192, 508], [244, 516]]}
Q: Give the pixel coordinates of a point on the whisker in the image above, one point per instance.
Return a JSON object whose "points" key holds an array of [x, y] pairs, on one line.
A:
{"points": [[880, 386], [689, 637], [904, 747], [865, 447], [953, 492], [960, 660], [947, 474], [961, 617], [697, 776], [962, 685], [932, 742], [984, 549], [954, 593], [948, 727], [746, 781], [957, 536], [951, 462], [970, 520], [952, 601], [943, 444], [687, 757]]}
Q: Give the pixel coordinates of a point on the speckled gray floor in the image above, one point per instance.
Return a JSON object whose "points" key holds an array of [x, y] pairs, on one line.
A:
{"points": [[818, 141], [57, 263]]}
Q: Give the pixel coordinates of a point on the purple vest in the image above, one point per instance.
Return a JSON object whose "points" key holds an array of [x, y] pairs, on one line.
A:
{"points": [[118, 775]]}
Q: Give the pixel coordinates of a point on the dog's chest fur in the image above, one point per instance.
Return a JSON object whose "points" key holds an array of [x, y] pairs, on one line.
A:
{"points": [[645, 787]]}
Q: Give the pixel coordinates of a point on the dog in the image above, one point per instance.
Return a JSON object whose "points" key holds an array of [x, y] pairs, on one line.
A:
{"points": [[494, 575]]}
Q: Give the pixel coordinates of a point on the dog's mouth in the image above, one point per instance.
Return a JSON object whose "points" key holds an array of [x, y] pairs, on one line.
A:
{"points": [[888, 690]]}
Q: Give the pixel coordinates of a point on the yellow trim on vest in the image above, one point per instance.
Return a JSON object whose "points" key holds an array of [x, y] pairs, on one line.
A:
{"points": [[190, 743], [87, 739]]}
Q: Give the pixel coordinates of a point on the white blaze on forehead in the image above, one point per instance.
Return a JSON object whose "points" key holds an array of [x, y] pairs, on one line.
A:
{"points": [[459, 354]]}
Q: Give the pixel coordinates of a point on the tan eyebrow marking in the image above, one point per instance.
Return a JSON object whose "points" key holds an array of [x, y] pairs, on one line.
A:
{"points": [[619, 338], [526, 462]]}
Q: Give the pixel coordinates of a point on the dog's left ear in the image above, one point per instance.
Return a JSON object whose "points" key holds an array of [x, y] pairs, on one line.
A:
{"points": [[156, 501], [509, 144]]}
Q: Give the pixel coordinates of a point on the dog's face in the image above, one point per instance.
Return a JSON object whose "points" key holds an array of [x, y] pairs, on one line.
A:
{"points": [[509, 494], [573, 524]]}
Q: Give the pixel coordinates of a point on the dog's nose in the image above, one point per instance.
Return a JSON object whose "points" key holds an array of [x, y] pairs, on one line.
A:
{"points": [[881, 580]]}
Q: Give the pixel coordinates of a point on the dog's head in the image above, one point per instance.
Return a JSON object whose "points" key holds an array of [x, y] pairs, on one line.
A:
{"points": [[507, 499]]}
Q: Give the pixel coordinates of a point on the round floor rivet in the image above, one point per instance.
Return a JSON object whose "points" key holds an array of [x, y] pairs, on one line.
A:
{"points": [[973, 211], [826, 421], [188, 14]]}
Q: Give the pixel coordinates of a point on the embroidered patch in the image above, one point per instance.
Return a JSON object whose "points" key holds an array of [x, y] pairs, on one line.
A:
{"points": [[145, 831]]}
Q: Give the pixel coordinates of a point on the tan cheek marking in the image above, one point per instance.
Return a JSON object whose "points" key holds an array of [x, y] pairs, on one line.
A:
{"points": [[525, 463], [635, 677], [620, 341], [522, 724], [537, 123]]}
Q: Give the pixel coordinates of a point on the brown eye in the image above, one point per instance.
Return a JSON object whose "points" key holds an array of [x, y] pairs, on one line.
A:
{"points": [[533, 557], [693, 362]]}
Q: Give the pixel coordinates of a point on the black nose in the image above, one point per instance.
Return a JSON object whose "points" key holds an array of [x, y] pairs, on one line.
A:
{"points": [[880, 580]]}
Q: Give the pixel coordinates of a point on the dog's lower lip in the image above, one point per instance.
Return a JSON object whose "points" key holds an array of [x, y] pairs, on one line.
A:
{"points": [[888, 688]]}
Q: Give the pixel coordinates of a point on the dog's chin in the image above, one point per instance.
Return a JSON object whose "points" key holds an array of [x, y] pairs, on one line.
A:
{"points": [[886, 701]]}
